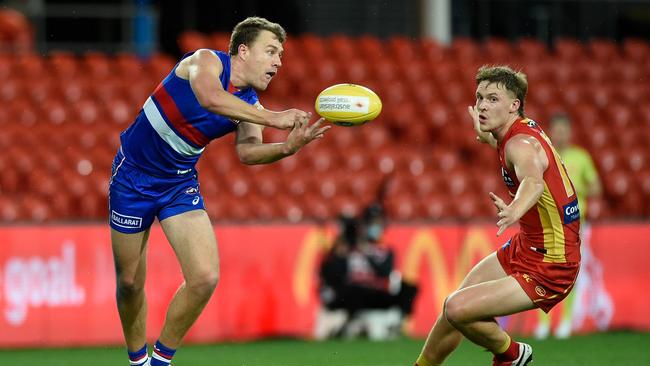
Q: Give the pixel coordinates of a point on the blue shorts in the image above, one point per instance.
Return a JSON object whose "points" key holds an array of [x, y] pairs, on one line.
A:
{"points": [[135, 199]]}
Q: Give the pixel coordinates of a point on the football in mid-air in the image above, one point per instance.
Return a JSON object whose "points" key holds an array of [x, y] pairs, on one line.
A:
{"points": [[348, 104]]}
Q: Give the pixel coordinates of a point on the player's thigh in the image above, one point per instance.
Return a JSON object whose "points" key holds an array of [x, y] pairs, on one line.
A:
{"points": [[488, 269], [129, 255], [192, 237], [503, 296]]}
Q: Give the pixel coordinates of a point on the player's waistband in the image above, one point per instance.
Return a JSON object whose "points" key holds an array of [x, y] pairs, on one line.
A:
{"points": [[123, 161]]}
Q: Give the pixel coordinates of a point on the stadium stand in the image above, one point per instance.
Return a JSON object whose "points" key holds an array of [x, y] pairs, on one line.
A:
{"points": [[64, 112]]}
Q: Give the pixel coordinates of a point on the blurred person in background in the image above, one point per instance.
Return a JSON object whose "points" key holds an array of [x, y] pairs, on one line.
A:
{"points": [[590, 298], [208, 94], [360, 284], [538, 266]]}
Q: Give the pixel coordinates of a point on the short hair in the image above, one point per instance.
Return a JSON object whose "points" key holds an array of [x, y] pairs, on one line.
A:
{"points": [[246, 31], [513, 81]]}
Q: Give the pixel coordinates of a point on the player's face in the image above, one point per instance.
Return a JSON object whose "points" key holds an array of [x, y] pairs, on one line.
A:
{"points": [[495, 105], [264, 60], [560, 134]]}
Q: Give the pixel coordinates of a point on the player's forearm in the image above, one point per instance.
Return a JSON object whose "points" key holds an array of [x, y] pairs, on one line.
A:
{"points": [[529, 192], [252, 154], [487, 138], [228, 105]]}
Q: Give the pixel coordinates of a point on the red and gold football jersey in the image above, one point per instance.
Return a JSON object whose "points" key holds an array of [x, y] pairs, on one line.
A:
{"points": [[552, 225]]}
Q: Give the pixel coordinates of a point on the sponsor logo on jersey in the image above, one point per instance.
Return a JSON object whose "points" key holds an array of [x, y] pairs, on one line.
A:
{"points": [[506, 178], [183, 171], [540, 291], [571, 211], [125, 221], [192, 190], [195, 201]]}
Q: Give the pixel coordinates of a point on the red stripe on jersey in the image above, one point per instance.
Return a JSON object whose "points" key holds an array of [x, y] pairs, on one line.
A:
{"points": [[175, 117], [231, 88]]}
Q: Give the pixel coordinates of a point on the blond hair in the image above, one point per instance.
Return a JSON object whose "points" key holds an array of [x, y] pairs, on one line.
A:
{"points": [[246, 31], [513, 81]]}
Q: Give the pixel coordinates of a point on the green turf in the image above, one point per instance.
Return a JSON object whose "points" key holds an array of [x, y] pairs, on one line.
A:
{"points": [[593, 350]]}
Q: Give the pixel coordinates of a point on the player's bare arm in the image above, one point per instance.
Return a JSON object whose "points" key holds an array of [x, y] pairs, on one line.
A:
{"points": [[528, 159], [202, 69], [252, 150], [481, 136]]}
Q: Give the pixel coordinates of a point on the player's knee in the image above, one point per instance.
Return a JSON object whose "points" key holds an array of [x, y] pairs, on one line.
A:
{"points": [[128, 287], [203, 284], [455, 311]]}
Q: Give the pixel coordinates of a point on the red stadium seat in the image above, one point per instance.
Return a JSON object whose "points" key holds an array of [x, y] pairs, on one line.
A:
{"points": [[569, 49], [97, 65], [637, 50], [63, 65], [532, 49], [16, 34], [431, 51], [220, 41], [371, 48], [343, 48], [498, 50], [190, 41], [603, 50], [464, 50]]}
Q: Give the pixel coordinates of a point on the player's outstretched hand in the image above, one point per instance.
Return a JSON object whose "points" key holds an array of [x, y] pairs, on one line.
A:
{"points": [[506, 214], [304, 133], [484, 137], [288, 119]]}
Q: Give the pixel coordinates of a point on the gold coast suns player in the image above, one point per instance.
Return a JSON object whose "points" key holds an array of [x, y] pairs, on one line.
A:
{"points": [[538, 266]]}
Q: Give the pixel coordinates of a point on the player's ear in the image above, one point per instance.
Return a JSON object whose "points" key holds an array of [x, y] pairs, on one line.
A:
{"points": [[514, 107], [242, 51]]}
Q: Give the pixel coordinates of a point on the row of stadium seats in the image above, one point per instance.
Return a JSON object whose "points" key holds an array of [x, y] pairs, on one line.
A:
{"points": [[64, 113]]}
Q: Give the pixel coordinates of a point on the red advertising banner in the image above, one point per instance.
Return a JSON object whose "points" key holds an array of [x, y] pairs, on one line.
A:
{"points": [[57, 283]]}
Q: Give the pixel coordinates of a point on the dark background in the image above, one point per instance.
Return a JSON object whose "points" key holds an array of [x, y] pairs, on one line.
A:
{"points": [[109, 24]]}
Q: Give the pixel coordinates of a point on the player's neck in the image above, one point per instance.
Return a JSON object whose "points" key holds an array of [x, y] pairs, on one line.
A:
{"points": [[500, 132], [237, 73]]}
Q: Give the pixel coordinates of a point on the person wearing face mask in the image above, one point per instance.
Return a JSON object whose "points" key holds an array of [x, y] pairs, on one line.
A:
{"points": [[359, 277], [208, 94]]}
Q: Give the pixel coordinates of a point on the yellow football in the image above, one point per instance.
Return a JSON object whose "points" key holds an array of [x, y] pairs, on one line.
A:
{"points": [[348, 104]]}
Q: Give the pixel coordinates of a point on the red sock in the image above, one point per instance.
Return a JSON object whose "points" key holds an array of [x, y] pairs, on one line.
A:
{"points": [[511, 353]]}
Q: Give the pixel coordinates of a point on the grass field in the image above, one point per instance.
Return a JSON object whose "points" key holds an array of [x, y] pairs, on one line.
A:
{"points": [[593, 350]]}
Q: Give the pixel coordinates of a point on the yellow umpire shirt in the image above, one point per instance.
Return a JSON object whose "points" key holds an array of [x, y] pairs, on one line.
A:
{"points": [[582, 172]]}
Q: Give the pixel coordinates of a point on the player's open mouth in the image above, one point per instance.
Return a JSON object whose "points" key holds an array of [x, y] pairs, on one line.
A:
{"points": [[270, 75]]}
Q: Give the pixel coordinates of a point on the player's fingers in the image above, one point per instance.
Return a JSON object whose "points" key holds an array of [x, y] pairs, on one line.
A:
{"points": [[305, 120], [493, 196], [497, 200], [501, 230], [322, 130], [317, 124]]}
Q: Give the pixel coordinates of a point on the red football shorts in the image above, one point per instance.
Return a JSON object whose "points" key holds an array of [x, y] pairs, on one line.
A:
{"points": [[545, 283]]}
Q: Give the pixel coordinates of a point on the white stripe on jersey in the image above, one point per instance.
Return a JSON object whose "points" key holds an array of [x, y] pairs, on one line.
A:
{"points": [[167, 134]]}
